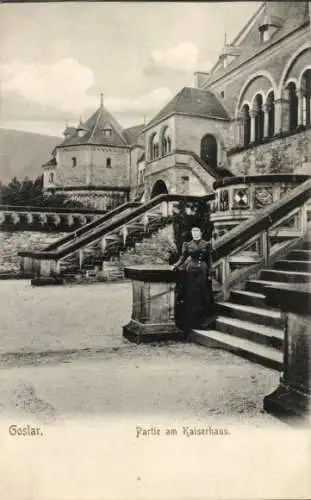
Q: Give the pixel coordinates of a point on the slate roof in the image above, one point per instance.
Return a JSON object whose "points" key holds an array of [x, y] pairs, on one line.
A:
{"points": [[94, 131], [250, 45], [193, 102], [134, 135]]}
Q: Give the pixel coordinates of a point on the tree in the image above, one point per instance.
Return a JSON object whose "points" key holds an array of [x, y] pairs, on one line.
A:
{"points": [[30, 193]]}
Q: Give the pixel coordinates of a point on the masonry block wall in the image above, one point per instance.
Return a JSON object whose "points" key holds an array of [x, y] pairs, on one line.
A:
{"points": [[190, 131], [91, 166], [290, 154]]}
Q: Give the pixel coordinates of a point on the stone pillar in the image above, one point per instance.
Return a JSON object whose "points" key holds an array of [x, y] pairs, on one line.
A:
{"points": [[153, 304], [266, 109], [291, 400], [253, 114], [281, 107], [301, 118], [239, 129]]}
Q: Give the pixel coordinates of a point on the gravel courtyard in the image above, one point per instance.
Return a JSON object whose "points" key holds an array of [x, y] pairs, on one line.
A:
{"points": [[65, 345], [66, 371]]}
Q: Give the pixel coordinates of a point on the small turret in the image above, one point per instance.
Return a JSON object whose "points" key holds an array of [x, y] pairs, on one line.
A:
{"points": [[81, 128]]}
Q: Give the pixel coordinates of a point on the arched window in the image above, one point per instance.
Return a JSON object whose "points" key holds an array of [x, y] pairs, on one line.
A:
{"points": [[259, 119], [292, 106], [209, 150], [165, 142], [154, 147], [108, 163], [246, 125], [306, 97], [271, 114], [51, 178]]}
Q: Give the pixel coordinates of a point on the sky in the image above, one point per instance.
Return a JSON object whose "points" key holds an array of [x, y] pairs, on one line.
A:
{"points": [[56, 58]]}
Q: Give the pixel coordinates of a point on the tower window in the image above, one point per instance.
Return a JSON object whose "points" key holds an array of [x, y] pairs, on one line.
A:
{"points": [[74, 161], [108, 163], [107, 132]]}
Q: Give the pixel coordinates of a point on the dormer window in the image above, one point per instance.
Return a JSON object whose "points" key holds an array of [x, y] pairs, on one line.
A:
{"points": [[107, 131], [263, 33], [268, 27]]}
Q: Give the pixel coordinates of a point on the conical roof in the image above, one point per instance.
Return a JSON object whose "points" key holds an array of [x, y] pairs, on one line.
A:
{"points": [[94, 131]]}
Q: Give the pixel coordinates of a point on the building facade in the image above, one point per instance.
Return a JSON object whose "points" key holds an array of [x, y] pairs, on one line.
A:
{"points": [[250, 115]]}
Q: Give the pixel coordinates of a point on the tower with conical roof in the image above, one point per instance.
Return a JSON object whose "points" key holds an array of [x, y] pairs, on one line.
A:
{"points": [[96, 159]]}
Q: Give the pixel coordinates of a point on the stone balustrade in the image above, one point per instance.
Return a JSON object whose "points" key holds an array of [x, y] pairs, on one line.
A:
{"points": [[45, 219], [238, 198]]}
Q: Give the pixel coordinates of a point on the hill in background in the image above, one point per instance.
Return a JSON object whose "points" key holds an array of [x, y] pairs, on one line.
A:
{"points": [[23, 153]]}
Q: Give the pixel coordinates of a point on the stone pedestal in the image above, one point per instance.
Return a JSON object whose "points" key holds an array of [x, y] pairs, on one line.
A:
{"points": [[291, 400], [153, 304]]}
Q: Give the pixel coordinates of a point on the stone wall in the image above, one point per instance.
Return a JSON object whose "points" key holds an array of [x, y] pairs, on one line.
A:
{"points": [[91, 166], [13, 242], [290, 154], [190, 130]]}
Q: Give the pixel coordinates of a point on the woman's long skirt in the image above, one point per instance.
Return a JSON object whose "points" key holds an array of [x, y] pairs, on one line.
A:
{"points": [[194, 304]]}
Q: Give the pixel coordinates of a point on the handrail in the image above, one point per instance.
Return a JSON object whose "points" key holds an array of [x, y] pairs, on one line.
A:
{"points": [[58, 210], [261, 221], [91, 225], [218, 174], [259, 179], [88, 238]]}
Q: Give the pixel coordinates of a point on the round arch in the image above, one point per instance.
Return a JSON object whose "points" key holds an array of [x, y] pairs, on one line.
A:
{"points": [[292, 59], [263, 73], [259, 93], [158, 188], [302, 73], [209, 150]]}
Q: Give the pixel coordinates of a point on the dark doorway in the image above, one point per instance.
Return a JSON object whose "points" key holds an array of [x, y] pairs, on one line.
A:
{"points": [[209, 150], [159, 188]]}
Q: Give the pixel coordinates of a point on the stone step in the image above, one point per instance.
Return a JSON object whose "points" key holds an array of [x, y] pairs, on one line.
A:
{"points": [[300, 255], [249, 298], [293, 265], [285, 276], [262, 334], [258, 353], [252, 314], [257, 286]]}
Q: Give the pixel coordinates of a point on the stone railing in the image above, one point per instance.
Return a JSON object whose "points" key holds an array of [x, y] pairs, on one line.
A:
{"points": [[261, 240], [117, 228], [184, 159], [239, 198], [58, 219]]}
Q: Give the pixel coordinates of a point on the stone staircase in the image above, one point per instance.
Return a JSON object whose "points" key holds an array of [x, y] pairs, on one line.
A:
{"points": [[245, 324]]}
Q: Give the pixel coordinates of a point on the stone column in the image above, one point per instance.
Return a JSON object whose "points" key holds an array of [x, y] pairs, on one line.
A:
{"points": [[266, 109], [253, 114], [281, 107], [301, 117], [239, 129]]}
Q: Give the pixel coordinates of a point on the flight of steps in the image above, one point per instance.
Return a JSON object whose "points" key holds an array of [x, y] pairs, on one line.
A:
{"points": [[246, 325], [152, 248]]}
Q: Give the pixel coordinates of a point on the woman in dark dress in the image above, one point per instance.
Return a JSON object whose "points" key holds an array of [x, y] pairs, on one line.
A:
{"points": [[194, 305]]}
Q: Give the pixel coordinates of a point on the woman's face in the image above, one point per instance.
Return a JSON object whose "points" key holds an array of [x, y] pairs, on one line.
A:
{"points": [[196, 233]]}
